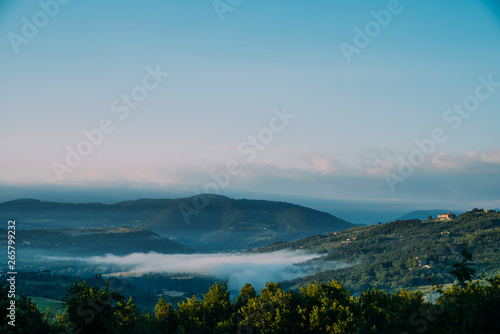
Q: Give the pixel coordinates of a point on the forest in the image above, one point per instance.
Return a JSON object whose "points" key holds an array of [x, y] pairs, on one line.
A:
{"points": [[468, 306], [458, 259], [403, 253]]}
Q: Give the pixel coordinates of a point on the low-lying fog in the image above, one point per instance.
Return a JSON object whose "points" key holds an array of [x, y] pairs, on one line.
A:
{"points": [[237, 269]]}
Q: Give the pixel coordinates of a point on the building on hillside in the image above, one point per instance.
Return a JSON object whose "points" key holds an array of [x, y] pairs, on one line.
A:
{"points": [[446, 216]]}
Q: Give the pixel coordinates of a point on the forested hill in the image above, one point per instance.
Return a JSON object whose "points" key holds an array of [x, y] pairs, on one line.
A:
{"points": [[403, 253], [94, 241], [205, 221]]}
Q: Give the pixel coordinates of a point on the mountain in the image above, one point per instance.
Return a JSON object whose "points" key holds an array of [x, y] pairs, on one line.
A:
{"points": [[210, 222], [422, 214], [94, 241], [402, 253]]}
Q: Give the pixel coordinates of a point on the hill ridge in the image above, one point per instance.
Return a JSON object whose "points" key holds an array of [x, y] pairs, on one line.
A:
{"points": [[402, 253], [220, 222]]}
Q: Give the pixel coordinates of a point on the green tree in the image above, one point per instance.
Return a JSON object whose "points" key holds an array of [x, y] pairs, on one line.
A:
{"points": [[127, 317], [28, 318], [271, 312], [191, 316], [463, 271], [326, 308], [217, 308], [247, 292], [470, 309], [166, 317], [94, 310], [382, 312]]}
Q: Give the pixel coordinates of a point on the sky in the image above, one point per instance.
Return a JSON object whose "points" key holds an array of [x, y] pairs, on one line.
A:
{"points": [[378, 102]]}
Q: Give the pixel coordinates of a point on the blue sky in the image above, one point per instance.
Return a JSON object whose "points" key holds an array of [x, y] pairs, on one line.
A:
{"points": [[353, 120]]}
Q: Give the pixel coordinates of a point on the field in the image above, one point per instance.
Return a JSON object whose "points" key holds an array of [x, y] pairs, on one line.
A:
{"points": [[55, 306]]}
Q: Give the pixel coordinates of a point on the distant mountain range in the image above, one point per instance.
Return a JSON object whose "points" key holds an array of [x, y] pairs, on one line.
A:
{"points": [[214, 222]]}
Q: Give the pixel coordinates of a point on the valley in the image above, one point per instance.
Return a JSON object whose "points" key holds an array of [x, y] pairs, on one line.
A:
{"points": [[141, 250], [242, 242]]}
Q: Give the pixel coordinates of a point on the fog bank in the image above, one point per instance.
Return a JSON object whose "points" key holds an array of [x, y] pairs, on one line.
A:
{"points": [[237, 269]]}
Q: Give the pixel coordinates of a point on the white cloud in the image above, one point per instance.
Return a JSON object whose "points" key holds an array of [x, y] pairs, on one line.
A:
{"points": [[237, 269]]}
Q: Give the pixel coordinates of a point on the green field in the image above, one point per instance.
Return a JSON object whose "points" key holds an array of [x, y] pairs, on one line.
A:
{"points": [[54, 306]]}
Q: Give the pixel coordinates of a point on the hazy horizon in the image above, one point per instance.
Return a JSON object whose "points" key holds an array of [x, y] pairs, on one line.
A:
{"points": [[353, 211]]}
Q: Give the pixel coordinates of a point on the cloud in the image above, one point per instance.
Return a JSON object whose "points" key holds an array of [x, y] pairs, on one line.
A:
{"points": [[460, 180], [490, 157], [237, 269]]}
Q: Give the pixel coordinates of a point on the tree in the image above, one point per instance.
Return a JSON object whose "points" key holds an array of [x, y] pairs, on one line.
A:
{"points": [[166, 317], [429, 217], [473, 309], [127, 316], [191, 316], [272, 311], [28, 318], [217, 308], [94, 310], [326, 308], [247, 292], [463, 271]]}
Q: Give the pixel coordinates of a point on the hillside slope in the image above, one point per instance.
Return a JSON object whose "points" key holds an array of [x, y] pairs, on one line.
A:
{"points": [[402, 253], [93, 241], [214, 222]]}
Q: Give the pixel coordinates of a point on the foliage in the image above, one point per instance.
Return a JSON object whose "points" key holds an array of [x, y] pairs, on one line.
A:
{"points": [[472, 308], [166, 317], [463, 271], [401, 254], [385, 252], [95, 310], [28, 318], [315, 308]]}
